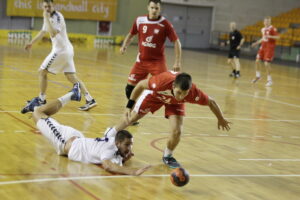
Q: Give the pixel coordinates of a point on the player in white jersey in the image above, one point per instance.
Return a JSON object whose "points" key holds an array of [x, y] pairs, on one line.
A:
{"points": [[111, 151], [61, 57]]}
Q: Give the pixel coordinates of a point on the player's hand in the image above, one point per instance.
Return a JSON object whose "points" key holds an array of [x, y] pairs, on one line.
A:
{"points": [[141, 170], [176, 67], [127, 115], [224, 124], [253, 45], [28, 46], [123, 50], [238, 47]]}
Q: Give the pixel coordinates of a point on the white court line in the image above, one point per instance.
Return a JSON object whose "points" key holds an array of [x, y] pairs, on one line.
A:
{"points": [[144, 176], [295, 137], [269, 159], [257, 97], [152, 116], [19, 131]]}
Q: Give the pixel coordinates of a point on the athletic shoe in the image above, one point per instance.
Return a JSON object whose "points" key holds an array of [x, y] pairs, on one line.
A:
{"points": [[232, 74], [40, 101], [88, 105], [237, 75], [171, 161], [256, 79], [31, 104], [269, 83], [76, 96]]}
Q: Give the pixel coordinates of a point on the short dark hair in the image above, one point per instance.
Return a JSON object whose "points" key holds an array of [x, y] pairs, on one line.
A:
{"points": [[154, 1], [183, 81], [122, 135], [48, 1]]}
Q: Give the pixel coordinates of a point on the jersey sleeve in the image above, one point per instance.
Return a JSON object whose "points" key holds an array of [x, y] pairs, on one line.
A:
{"points": [[159, 82], [171, 32], [274, 31], [199, 97], [58, 22], [134, 29]]}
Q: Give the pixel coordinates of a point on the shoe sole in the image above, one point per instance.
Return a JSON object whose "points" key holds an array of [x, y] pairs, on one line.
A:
{"points": [[94, 105], [173, 167]]}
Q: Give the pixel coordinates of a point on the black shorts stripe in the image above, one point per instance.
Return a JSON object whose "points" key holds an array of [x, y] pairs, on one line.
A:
{"points": [[51, 60], [54, 131]]}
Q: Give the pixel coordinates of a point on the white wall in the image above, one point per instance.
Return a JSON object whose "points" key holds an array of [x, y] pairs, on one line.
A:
{"points": [[244, 12]]}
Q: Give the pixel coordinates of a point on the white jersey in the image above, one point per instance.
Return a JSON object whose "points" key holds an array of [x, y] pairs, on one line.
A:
{"points": [[61, 41], [96, 150]]}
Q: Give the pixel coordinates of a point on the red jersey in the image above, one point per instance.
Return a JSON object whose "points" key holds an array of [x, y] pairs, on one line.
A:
{"points": [[152, 35], [268, 42], [162, 84]]}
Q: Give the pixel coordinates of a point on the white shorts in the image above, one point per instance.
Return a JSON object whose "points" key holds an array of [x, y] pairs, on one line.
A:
{"points": [[59, 61], [57, 133]]}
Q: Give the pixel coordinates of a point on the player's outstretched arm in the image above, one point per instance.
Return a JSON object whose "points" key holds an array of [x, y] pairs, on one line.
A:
{"points": [[178, 52], [39, 36], [126, 43], [112, 167], [222, 122]]}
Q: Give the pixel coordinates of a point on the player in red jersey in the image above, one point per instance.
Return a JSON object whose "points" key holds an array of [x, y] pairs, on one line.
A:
{"points": [[152, 31], [171, 90], [266, 50]]}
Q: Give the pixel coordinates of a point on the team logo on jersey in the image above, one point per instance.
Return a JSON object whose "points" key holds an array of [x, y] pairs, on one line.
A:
{"points": [[197, 98], [164, 99], [149, 43], [153, 85], [149, 39], [156, 31]]}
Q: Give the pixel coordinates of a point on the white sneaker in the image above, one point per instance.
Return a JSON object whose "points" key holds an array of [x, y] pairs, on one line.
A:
{"points": [[256, 79], [269, 84]]}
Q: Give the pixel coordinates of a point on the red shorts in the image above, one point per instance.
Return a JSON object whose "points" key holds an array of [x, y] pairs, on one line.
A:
{"points": [[141, 70], [147, 103], [265, 54]]}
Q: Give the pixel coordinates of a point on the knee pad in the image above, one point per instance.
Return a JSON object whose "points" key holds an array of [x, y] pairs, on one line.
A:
{"points": [[128, 90]]}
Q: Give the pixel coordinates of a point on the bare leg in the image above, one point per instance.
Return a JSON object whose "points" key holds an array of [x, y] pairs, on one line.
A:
{"points": [[43, 80], [269, 77], [257, 71], [176, 123], [46, 110], [230, 62], [237, 64], [72, 77]]}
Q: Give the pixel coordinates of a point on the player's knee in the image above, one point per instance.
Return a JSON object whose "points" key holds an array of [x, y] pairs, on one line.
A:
{"points": [[128, 90], [43, 73], [176, 133]]}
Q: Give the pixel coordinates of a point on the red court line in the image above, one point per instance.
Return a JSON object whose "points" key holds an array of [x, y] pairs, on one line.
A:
{"points": [[23, 122]]}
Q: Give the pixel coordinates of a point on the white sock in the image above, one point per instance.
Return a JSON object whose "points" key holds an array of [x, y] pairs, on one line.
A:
{"points": [[257, 73], [167, 152], [88, 97], [110, 132], [66, 98], [42, 97], [269, 78]]}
